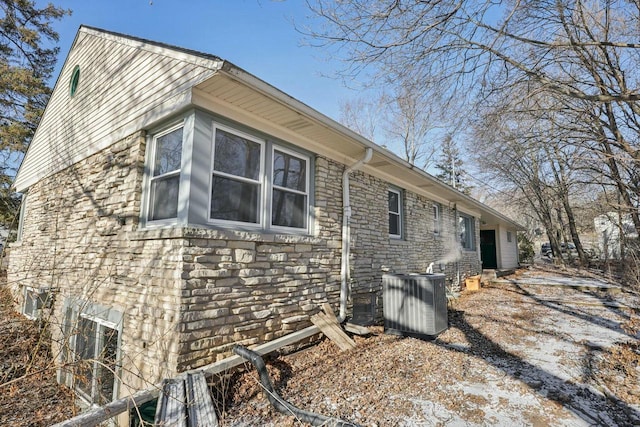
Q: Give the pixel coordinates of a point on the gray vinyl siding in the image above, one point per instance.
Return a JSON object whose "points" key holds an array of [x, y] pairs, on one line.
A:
{"points": [[105, 109]]}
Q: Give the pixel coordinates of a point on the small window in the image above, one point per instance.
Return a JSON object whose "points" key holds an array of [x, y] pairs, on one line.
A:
{"points": [[395, 214], [509, 237], [74, 81], [165, 175], [466, 230], [96, 349], [436, 219], [34, 301], [23, 210]]}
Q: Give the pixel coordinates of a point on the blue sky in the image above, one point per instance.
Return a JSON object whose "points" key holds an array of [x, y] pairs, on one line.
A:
{"points": [[256, 35]]}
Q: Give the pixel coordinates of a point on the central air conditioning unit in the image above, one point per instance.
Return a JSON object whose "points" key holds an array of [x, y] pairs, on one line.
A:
{"points": [[414, 304]]}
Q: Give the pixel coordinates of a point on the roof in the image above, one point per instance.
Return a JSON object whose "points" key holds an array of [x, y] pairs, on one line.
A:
{"points": [[184, 79]]}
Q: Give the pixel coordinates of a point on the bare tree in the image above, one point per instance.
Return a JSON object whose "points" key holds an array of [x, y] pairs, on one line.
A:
{"points": [[406, 119], [363, 115], [536, 159], [416, 113], [483, 43], [581, 55]]}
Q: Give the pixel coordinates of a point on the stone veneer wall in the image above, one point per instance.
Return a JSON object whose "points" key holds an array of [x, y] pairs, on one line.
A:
{"points": [[79, 238], [189, 294], [375, 253]]}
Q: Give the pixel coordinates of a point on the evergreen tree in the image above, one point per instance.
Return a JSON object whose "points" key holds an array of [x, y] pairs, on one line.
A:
{"points": [[27, 58], [450, 166]]}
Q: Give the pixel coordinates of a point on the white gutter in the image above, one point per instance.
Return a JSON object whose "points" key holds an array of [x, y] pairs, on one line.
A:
{"points": [[346, 234]]}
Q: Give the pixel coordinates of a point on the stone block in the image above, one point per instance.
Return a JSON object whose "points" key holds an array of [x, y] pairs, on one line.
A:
{"points": [[244, 256]]}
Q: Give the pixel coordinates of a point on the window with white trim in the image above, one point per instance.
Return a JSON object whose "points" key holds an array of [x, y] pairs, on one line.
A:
{"points": [[23, 210], [466, 230], [236, 183], [395, 214], [509, 237], [96, 353], [164, 183], [436, 219], [256, 182], [34, 301], [290, 189]]}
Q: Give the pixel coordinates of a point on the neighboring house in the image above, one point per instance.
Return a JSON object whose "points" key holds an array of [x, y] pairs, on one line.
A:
{"points": [[613, 231], [176, 205]]}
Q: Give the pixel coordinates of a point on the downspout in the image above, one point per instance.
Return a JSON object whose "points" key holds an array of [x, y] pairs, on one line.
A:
{"points": [[457, 286], [346, 233]]}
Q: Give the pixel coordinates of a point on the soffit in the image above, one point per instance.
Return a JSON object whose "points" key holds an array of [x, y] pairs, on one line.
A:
{"points": [[259, 110], [275, 113]]}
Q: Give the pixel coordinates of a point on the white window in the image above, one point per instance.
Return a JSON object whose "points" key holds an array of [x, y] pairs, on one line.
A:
{"points": [[164, 183], [509, 237], [248, 187], [436, 219], [96, 355], [395, 214], [34, 301], [290, 189], [236, 183], [466, 230], [23, 210]]}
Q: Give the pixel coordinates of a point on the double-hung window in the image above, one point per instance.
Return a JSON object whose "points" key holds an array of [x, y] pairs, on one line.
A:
{"points": [[290, 193], [164, 182], [436, 219], [96, 350], [236, 184], [255, 182], [395, 214], [23, 210], [466, 230]]}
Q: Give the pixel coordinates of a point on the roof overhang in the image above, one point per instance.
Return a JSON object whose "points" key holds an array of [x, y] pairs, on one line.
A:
{"points": [[242, 97]]}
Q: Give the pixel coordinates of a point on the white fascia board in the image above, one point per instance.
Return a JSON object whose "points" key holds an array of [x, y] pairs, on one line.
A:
{"points": [[449, 195], [174, 52]]}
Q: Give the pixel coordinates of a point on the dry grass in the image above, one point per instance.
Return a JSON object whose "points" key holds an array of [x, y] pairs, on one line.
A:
{"points": [[29, 393]]}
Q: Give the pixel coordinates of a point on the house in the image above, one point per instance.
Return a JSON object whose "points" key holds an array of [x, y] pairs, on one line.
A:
{"points": [[175, 205], [610, 227]]}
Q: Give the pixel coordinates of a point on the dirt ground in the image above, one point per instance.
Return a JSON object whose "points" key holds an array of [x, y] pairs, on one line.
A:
{"points": [[514, 354]]}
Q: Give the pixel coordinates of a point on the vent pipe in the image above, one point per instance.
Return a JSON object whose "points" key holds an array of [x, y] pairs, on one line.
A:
{"points": [[346, 234]]}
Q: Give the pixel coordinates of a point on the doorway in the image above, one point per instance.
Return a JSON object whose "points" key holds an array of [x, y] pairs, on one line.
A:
{"points": [[488, 249]]}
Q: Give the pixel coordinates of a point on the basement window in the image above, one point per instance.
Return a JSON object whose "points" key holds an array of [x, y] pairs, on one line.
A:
{"points": [[90, 353], [34, 301], [96, 349]]}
